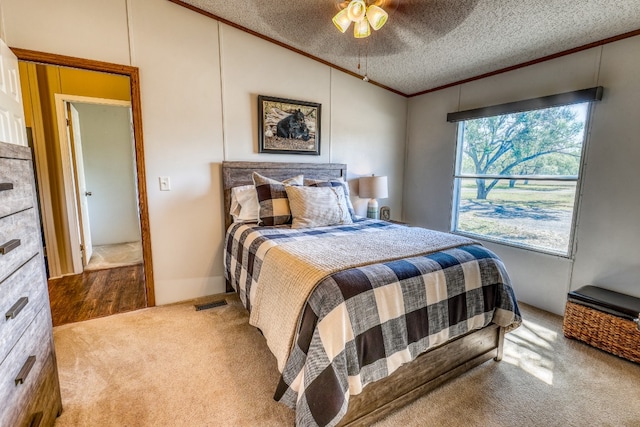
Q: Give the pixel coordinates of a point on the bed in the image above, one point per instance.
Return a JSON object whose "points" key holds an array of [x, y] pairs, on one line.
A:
{"points": [[365, 316]]}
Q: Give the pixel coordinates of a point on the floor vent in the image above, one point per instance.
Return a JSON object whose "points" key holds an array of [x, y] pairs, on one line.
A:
{"points": [[210, 305]]}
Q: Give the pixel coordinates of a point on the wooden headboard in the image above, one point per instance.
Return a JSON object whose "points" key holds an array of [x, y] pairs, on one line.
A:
{"points": [[239, 173]]}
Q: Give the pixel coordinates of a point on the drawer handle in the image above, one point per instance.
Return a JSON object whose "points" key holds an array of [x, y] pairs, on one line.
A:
{"points": [[26, 368], [9, 246], [36, 419], [17, 308], [6, 186]]}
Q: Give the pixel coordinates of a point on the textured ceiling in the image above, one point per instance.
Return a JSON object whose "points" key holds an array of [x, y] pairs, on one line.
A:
{"points": [[431, 43]]}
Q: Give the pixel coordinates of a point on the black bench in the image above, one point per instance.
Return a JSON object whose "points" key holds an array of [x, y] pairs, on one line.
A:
{"points": [[605, 319]]}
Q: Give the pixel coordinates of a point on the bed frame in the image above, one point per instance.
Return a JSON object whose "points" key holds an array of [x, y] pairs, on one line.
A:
{"points": [[412, 380]]}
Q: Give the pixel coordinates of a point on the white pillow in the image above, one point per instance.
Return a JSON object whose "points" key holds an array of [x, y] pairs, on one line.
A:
{"points": [[334, 182], [317, 206], [244, 204]]}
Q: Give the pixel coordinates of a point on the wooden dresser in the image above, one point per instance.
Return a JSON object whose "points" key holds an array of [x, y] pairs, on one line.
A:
{"points": [[29, 388]]}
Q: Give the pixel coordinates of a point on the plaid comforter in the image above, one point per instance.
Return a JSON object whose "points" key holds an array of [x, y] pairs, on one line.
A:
{"points": [[361, 324], [246, 246]]}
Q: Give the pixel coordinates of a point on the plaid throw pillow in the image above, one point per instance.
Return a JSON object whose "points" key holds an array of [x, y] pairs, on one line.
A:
{"points": [[272, 198], [317, 206], [334, 182]]}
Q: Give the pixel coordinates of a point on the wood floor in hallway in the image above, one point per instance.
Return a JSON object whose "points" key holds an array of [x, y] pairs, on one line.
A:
{"points": [[96, 293]]}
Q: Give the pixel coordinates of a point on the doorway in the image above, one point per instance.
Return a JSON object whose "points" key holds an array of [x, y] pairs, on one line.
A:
{"points": [[100, 152], [67, 237]]}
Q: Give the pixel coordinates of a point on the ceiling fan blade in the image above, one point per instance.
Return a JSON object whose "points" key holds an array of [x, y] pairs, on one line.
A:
{"points": [[297, 21], [388, 5], [432, 17], [342, 4]]}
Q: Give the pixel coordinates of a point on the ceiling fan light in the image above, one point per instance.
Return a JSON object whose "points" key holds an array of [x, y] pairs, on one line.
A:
{"points": [[376, 16], [357, 10], [361, 29], [342, 21]]}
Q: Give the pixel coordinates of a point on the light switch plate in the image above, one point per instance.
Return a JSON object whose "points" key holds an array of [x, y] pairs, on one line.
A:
{"points": [[165, 183]]}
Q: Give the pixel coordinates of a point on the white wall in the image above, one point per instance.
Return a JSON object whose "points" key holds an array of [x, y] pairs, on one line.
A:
{"points": [[177, 52], [369, 132], [107, 149], [608, 229], [252, 67], [73, 28], [199, 85]]}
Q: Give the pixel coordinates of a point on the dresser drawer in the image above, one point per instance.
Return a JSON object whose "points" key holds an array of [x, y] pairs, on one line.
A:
{"points": [[45, 404], [16, 394], [22, 295], [16, 188], [22, 227]]}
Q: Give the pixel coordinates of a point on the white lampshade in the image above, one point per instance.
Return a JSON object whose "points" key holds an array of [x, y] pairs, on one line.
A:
{"points": [[342, 21], [376, 16], [364, 17], [361, 29], [373, 187], [356, 10]]}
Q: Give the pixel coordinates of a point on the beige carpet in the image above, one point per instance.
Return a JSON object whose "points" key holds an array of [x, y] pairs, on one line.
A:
{"points": [[174, 366], [116, 255]]}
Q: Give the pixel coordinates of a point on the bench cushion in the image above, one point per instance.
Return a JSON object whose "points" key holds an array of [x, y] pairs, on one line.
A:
{"points": [[611, 302]]}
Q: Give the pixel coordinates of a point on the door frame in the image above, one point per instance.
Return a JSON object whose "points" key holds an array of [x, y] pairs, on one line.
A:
{"points": [[69, 167], [136, 114]]}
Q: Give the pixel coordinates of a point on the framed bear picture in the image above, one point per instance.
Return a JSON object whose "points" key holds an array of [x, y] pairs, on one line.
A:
{"points": [[286, 126]]}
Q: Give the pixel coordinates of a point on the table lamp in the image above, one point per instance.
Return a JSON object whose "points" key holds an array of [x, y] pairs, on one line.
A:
{"points": [[373, 187]]}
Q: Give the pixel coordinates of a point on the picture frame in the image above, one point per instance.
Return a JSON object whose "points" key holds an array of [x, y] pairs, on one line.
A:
{"points": [[287, 126], [385, 213]]}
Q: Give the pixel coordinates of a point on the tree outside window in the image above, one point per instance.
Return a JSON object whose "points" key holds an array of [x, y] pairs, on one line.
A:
{"points": [[517, 174]]}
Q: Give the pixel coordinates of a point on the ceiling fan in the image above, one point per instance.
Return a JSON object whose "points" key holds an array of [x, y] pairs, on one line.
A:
{"points": [[364, 14], [307, 24]]}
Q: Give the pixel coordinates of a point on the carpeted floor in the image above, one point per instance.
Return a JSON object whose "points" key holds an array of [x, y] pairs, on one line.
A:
{"points": [[174, 366], [116, 255]]}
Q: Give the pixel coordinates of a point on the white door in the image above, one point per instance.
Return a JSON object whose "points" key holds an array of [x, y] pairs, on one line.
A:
{"points": [[82, 193], [12, 128]]}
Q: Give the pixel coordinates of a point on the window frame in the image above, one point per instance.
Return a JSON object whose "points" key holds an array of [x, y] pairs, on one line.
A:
{"points": [[458, 176]]}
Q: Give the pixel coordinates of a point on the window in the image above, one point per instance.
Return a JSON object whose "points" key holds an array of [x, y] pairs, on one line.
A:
{"points": [[517, 175]]}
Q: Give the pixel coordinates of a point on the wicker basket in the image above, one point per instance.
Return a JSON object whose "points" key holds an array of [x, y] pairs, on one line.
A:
{"points": [[602, 330]]}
